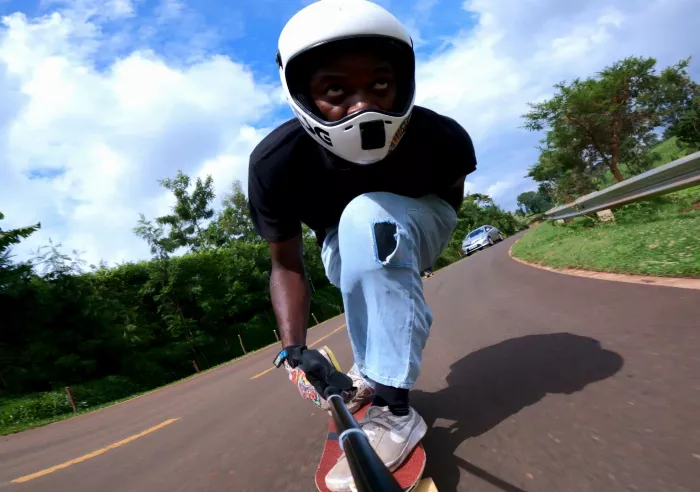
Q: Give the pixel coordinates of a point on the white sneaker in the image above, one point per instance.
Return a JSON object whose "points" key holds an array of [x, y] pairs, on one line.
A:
{"points": [[392, 437], [364, 393]]}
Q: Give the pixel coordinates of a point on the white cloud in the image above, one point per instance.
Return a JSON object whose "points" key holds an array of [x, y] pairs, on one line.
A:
{"points": [[108, 128], [170, 9], [109, 135], [497, 189], [232, 162], [519, 50], [121, 8]]}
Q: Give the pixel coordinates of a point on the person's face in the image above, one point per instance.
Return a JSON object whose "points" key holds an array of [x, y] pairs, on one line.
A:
{"points": [[351, 83]]}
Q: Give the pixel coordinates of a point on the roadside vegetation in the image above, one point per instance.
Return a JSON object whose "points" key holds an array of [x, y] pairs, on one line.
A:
{"points": [[626, 120], [110, 333], [658, 237]]}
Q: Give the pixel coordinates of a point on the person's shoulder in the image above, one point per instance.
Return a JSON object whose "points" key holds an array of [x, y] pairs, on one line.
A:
{"points": [[439, 125], [280, 144], [444, 135]]}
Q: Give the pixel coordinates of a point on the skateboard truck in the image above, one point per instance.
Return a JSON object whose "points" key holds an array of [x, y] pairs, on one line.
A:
{"points": [[368, 471]]}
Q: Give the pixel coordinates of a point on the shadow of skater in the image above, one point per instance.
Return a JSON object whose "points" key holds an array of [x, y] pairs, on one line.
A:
{"points": [[495, 382]]}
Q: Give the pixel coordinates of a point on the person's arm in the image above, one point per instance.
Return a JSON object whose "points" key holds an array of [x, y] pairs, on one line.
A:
{"points": [[455, 193], [289, 290], [291, 298], [462, 160], [458, 186]]}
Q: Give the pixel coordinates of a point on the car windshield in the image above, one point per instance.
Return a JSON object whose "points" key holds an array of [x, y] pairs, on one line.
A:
{"points": [[475, 233]]}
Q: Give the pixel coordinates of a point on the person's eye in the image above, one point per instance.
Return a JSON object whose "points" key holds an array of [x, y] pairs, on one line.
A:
{"points": [[381, 85], [334, 91]]}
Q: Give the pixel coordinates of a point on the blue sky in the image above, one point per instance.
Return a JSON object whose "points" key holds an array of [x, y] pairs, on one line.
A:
{"points": [[103, 98]]}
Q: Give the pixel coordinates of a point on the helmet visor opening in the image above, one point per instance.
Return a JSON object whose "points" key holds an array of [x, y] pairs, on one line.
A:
{"points": [[301, 68]]}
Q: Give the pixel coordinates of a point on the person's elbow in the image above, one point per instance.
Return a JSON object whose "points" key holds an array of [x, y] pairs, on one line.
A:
{"points": [[287, 255]]}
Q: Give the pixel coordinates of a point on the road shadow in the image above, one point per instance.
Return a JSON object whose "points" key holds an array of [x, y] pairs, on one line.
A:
{"points": [[496, 382]]}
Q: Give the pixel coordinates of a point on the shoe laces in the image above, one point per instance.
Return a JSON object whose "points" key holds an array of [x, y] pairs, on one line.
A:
{"points": [[355, 375], [376, 420], [363, 387]]}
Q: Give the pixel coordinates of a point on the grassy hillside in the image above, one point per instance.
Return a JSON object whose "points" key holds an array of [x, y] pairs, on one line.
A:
{"points": [[667, 151], [659, 237]]}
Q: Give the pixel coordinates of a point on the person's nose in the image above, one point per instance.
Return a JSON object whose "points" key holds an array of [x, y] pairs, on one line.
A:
{"points": [[361, 102]]}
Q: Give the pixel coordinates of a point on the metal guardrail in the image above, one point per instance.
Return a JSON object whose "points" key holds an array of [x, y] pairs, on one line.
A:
{"points": [[674, 176]]}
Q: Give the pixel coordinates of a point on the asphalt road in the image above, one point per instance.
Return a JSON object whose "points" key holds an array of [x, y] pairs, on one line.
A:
{"points": [[532, 381]]}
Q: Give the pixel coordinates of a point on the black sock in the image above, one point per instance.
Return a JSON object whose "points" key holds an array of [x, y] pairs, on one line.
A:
{"points": [[395, 398]]}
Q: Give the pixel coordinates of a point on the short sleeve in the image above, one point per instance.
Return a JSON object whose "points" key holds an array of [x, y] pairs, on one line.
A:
{"points": [[457, 159], [270, 201], [460, 152]]}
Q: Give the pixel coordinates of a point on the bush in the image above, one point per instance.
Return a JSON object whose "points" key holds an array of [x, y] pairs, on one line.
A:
{"points": [[113, 332], [26, 409], [33, 407], [448, 256], [104, 390]]}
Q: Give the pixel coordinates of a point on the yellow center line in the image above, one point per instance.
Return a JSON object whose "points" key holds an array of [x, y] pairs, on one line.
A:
{"points": [[310, 345], [86, 457]]}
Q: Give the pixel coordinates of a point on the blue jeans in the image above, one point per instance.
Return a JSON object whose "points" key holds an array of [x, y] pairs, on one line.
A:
{"points": [[375, 256]]}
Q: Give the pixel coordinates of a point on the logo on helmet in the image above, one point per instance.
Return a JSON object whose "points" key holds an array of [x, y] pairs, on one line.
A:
{"points": [[319, 132]]}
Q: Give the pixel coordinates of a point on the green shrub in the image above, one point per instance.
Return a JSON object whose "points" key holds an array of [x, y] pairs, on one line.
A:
{"points": [[34, 407], [448, 256], [113, 332], [104, 390]]}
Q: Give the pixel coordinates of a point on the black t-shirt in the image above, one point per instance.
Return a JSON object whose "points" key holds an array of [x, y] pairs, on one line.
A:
{"points": [[292, 179]]}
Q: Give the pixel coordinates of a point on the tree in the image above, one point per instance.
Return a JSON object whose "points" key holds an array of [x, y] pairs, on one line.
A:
{"points": [[9, 273], [190, 211], [186, 224], [480, 199], [687, 127], [564, 174], [55, 263], [154, 236], [597, 124], [14, 236], [534, 202], [235, 221]]}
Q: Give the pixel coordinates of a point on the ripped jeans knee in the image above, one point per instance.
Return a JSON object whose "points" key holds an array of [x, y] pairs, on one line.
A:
{"points": [[388, 240], [375, 257]]}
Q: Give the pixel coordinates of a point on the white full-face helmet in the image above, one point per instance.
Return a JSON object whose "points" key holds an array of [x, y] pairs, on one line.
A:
{"points": [[330, 26]]}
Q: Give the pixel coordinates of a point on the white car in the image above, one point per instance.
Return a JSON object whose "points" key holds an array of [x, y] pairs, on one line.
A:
{"points": [[478, 239]]}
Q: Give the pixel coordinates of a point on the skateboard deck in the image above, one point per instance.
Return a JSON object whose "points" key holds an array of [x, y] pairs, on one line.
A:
{"points": [[408, 475]]}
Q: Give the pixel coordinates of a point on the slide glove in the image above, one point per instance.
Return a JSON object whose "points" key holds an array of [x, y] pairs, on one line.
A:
{"points": [[315, 374]]}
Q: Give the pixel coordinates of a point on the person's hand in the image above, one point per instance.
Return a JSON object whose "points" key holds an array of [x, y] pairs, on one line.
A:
{"points": [[315, 375]]}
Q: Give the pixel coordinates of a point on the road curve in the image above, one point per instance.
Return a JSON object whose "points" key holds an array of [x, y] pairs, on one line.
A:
{"points": [[532, 381]]}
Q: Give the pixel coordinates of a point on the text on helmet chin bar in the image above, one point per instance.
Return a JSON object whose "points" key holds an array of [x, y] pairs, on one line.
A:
{"points": [[320, 132]]}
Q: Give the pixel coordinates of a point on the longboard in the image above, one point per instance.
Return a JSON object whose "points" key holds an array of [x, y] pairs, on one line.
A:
{"points": [[408, 475]]}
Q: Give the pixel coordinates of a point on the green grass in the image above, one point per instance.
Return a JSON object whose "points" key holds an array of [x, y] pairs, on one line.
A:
{"points": [[658, 237], [15, 404], [670, 150]]}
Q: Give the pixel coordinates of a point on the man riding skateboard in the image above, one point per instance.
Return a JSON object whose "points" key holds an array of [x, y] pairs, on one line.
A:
{"points": [[379, 181]]}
